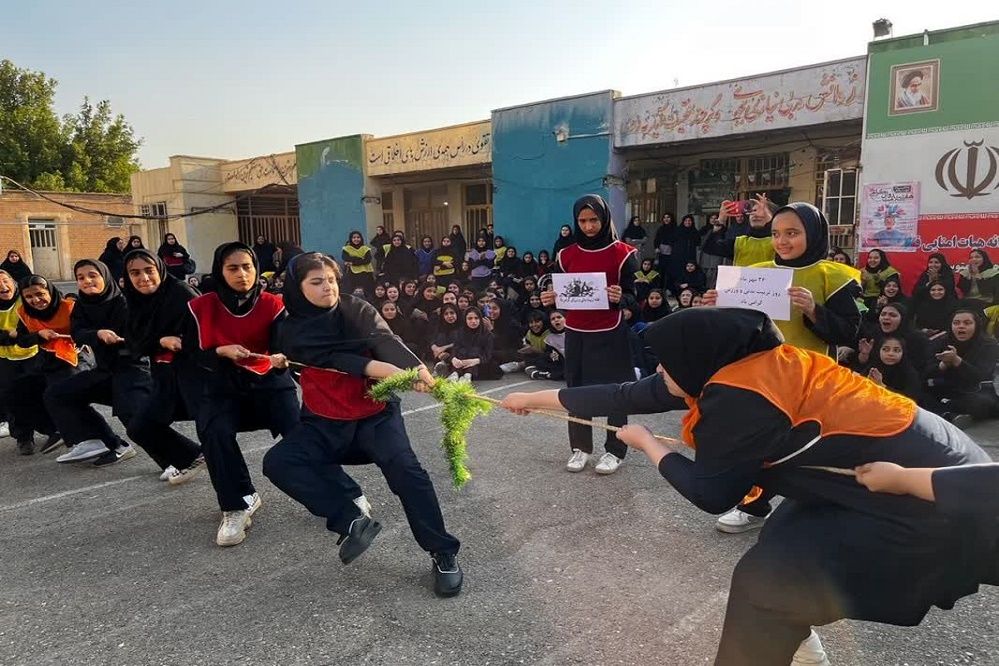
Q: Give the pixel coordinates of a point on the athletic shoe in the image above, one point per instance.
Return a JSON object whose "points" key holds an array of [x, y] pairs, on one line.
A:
{"points": [[232, 531], [448, 576], [440, 369], [466, 378], [963, 421], [4, 429], [252, 502], [364, 505], [577, 461], [810, 652], [453, 376], [529, 369], [51, 443], [168, 472], [362, 532], [180, 476], [26, 448], [737, 521], [88, 449], [118, 455], [608, 464], [539, 374], [511, 366]]}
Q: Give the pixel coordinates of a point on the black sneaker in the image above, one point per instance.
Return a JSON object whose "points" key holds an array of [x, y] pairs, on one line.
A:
{"points": [[111, 457], [362, 532], [540, 374], [51, 443], [962, 421], [26, 448], [447, 575]]}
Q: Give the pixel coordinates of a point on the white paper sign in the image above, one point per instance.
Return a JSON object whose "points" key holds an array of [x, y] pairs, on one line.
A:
{"points": [[580, 291], [763, 289]]}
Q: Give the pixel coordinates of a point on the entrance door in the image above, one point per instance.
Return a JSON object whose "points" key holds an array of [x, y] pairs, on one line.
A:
{"points": [[44, 249]]}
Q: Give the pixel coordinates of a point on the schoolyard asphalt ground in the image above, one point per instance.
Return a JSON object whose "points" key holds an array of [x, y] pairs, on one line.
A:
{"points": [[112, 566]]}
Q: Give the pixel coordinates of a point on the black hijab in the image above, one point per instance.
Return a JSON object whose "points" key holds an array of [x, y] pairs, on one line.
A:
{"points": [[111, 290], [816, 234], [694, 344], [651, 314], [944, 277], [128, 245], [16, 269], [936, 314], [607, 234], [885, 264], [562, 241], [7, 305], [53, 306], [168, 249], [442, 326], [113, 258], [235, 302], [153, 316]]}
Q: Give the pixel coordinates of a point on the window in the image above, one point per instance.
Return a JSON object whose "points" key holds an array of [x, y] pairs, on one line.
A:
{"points": [[158, 209], [767, 172], [388, 211], [478, 207], [839, 199]]}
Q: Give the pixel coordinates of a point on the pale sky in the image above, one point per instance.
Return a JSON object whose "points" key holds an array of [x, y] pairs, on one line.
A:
{"points": [[236, 79]]}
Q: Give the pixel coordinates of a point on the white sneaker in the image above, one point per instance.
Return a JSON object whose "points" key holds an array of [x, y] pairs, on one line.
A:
{"points": [[168, 472], [511, 366], [810, 652], [180, 476], [4, 429], [608, 464], [466, 378], [232, 531], [364, 505], [577, 461], [252, 502], [88, 449], [737, 522], [453, 376]]}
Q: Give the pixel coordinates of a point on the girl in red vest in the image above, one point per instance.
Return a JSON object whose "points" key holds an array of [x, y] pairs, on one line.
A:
{"points": [[246, 387], [345, 342], [764, 414], [597, 350]]}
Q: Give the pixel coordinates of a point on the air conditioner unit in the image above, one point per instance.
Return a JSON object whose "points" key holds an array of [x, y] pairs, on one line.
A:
{"points": [[114, 222]]}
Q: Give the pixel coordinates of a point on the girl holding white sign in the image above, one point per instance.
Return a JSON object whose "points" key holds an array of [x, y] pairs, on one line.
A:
{"points": [[597, 350]]}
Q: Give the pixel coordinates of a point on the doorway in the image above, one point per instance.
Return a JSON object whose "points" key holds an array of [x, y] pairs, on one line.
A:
{"points": [[44, 248]]}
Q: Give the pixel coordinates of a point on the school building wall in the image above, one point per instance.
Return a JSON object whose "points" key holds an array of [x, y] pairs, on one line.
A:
{"points": [[78, 235], [331, 188], [545, 156]]}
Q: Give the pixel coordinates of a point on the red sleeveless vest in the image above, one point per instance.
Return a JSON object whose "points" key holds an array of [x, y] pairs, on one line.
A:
{"points": [[218, 327], [608, 260]]}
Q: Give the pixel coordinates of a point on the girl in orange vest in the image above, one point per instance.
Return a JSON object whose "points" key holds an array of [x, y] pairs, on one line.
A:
{"points": [[44, 322], [764, 414]]}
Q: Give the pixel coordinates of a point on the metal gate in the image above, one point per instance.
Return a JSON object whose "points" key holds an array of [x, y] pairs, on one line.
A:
{"points": [[271, 213], [44, 249]]}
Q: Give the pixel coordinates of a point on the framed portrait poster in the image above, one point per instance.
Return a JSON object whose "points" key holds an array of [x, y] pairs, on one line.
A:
{"points": [[915, 87]]}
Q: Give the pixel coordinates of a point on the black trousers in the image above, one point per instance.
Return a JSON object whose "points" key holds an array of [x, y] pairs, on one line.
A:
{"points": [[171, 398], [223, 415], [70, 401], [598, 358], [980, 405], [14, 385], [307, 466]]}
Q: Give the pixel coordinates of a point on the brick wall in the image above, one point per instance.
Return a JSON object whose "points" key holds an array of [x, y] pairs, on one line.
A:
{"points": [[78, 235]]}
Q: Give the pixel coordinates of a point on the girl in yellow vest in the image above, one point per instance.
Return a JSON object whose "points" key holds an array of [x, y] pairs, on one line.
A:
{"points": [[824, 310], [44, 323], [359, 264], [763, 413], [14, 363], [874, 274]]}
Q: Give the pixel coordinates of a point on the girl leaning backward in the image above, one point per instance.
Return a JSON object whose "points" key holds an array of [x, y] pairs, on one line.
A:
{"points": [[345, 342]]}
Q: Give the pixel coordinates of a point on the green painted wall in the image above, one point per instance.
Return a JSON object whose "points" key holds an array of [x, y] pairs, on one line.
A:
{"points": [[969, 83]]}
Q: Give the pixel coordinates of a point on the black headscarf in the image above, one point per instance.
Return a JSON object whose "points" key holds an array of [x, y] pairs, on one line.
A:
{"points": [[936, 314], [53, 306], [236, 303], [153, 316], [111, 290], [816, 234], [7, 305], [885, 264], [17, 270], [128, 246], [694, 344], [113, 258], [562, 241], [945, 277], [607, 234], [651, 314]]}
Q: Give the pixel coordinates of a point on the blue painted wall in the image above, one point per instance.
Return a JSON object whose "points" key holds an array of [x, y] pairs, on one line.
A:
{"points": [[330, 187], [537, 178]]}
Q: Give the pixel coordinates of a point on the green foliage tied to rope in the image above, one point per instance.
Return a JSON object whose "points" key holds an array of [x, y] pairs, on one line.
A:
{"points": [[460, 407]]}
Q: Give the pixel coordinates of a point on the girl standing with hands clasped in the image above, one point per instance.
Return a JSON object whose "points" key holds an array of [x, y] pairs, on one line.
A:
{"points": [[341, 424], [597, 349]]}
